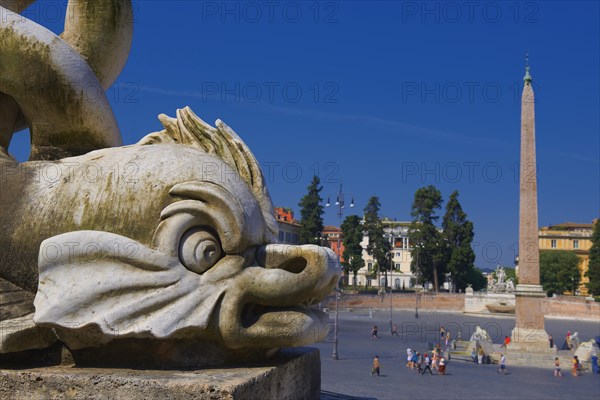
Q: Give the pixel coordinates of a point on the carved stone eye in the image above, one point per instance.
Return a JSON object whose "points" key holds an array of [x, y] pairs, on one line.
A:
{"points": [[199, 250]]}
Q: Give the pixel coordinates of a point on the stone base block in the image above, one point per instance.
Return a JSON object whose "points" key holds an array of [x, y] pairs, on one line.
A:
{"points": [[531, 340], [530, 347], [293, 374]]}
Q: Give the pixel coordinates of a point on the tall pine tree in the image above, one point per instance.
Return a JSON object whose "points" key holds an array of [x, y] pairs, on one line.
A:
{"points": [[458, 232], [378, 246], [352, 231], [311, 214], [593, 272], [428, 255]]}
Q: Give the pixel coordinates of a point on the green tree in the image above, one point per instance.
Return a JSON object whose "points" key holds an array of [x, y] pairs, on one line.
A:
{"points": [[559, 271], [593, 272], [352, 231], [378, 246], [458, 234], [476, 279], [429, 248], [311, 214]]}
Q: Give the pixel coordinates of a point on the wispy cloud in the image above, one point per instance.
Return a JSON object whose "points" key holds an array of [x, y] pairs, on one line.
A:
{"points": [[374, 121]]}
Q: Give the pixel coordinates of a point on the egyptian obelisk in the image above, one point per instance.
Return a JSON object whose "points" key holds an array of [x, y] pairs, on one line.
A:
{"points": [[529, 323]]}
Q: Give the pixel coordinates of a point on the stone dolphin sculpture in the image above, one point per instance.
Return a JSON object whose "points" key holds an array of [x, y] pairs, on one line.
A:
{"points": [[163, 246]]}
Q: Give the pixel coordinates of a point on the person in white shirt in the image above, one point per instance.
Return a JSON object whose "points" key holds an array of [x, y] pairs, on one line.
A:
{"points": [[502, 364]]}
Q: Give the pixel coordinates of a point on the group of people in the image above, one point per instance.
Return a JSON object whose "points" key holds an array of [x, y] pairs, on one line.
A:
{"points": [[436, 361], [444, 336], [571, 341], [423, 362], [576, 368]]}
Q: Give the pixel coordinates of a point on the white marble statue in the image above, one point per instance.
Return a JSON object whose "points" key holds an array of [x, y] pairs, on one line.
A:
{"points": [[159, 245], [500, 284]]}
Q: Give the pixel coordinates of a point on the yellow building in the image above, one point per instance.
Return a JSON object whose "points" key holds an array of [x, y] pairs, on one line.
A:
{"points": [[570, 236]]}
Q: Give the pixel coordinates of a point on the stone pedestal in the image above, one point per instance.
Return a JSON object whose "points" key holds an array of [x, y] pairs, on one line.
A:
{"points": [[529, 343], [529, 333], [528, 303], [293, 374]]}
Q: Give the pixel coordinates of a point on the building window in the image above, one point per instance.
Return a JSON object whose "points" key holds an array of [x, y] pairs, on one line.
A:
{"points": [[553, 243], [575, 244], [397, 266], [369, 266], [398, 254], [281, 237]]}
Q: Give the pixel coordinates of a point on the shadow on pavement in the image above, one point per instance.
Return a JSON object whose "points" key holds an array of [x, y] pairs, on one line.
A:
{"points": [[326, 395]]}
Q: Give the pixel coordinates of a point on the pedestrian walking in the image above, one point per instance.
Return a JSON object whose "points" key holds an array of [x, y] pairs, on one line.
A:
{"points": [[502, 369], [419, 363], [442, 366], [375, 368], [576, 368], [409, 354], [374, 332], [557, 367], [414, 359], [427, 362], [434, 360], [395, 330]]}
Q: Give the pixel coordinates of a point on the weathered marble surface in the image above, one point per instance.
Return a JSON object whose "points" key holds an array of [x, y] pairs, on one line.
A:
{"points": [[294, 374], [70, 73], [157, 248]]}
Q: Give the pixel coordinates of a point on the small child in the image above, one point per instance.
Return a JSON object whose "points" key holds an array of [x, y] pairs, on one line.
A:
{"points": [[557, 367]]}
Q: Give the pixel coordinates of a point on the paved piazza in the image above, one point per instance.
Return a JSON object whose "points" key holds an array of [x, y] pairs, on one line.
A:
{"points": [[349, 377]]}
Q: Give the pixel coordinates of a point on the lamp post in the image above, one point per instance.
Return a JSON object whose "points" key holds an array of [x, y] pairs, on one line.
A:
{"points": [[391, 292], [391, 273], [416, 284], [340, 205]]}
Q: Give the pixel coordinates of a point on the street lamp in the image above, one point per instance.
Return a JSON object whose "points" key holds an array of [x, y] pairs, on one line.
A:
{"points": [[340, 205], [417, 272], [391, 292], [391, 273]]}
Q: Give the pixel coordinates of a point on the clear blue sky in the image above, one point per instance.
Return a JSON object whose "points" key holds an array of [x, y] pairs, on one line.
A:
{"points": [[388, 96]]}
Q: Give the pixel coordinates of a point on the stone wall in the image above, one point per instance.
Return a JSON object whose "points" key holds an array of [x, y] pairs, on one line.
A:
{"points": [[571, 307], [559, 307], [477, 302], [400, 301]]}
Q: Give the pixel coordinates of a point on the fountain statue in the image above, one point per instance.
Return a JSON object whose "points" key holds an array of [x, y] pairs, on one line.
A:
{"points": [[161, 252], [500, 284]]}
